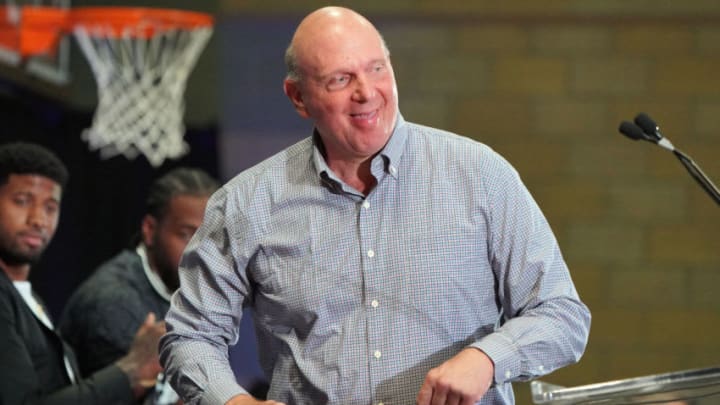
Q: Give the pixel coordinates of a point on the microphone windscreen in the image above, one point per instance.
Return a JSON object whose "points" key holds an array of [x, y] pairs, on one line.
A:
{"points": [[646, 123], [631, 130]]}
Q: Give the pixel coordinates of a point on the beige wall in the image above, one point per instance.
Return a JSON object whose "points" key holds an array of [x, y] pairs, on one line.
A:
{"points": [[546, 84]]}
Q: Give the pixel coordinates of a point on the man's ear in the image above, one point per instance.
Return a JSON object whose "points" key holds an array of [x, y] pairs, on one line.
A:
{"points": [[148, 227], [292, 90]]}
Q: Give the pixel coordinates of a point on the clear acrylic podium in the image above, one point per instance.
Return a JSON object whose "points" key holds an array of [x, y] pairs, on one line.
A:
{"points": [[689, 387]]}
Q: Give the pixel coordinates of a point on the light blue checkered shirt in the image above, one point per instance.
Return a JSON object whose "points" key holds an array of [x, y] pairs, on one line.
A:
{"points": [[356, 297]]}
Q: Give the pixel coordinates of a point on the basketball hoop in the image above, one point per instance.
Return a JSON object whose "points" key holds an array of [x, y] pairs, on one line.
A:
{"points": [[141, 59]]}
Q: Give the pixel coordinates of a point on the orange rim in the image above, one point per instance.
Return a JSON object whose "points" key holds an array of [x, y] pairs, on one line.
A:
{"points": [[41, 27], [140, 22]]}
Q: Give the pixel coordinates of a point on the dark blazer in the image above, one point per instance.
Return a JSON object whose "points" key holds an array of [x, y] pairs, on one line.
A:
{"points": [[32, 368]]}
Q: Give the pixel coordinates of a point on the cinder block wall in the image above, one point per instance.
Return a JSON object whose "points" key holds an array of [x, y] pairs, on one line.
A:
{"points": [[546, 84]]}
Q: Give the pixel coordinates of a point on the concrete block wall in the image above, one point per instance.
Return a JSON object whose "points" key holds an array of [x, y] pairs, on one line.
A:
{"points": [[546, 84]]}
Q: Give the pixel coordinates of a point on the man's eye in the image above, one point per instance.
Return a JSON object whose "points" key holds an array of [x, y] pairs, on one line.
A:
{"points": [[377, 69], [51, 208], [338, 82]]}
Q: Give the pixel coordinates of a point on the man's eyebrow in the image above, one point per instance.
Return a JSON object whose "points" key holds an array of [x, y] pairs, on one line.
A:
{"points": [[321, 76], [331, 73]]}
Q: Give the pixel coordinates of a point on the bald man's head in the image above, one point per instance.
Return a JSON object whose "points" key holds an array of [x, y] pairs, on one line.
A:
{"points": [[340, 76], [321, 23]]}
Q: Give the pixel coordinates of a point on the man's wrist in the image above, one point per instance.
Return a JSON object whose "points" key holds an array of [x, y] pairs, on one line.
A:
{"points": [[130, 369], [488, 361]]}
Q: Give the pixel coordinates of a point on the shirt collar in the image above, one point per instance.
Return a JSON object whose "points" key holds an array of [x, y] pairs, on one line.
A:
{"points": [[392, 152], [154, 279]]}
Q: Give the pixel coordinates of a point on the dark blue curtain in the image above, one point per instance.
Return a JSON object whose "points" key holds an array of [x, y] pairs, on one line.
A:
{"points": [[103, 202]]}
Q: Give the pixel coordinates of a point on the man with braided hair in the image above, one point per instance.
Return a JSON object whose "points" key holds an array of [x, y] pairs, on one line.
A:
{"points": [[105, 310]]}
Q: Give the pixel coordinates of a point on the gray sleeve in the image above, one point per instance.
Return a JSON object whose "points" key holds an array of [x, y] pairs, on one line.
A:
{"points": [[205, 313], [545, 325]]}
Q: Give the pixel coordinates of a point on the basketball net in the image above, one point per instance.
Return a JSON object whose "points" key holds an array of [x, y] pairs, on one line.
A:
{"points": [[140, 83]]}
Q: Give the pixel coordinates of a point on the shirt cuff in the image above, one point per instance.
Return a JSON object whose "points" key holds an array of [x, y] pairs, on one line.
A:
{"points": [[220, 391], [504, 354]]}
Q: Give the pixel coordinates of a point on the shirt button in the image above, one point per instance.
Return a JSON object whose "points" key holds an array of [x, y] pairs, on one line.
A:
{"points": [[371, 253], [508, 374], [541, 368], [393, 170], [377, 354], [374, 303], [366, 204]]}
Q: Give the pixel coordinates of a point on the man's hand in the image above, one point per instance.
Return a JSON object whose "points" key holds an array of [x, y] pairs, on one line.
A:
{"points": [[142, 364], [249, 400], [462, 380]]}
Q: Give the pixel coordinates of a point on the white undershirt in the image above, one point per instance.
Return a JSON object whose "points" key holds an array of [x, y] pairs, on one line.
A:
{"points": [[155, 280], [25, 290], [164, 393]]}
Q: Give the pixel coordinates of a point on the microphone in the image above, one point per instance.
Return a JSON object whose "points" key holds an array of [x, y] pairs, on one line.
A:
{"points": [[633, 131], [646, 129], [650, 128], [648, 125]]}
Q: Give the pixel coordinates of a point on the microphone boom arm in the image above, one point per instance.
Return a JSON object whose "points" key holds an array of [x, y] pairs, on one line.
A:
{"points": [[698, 175]]}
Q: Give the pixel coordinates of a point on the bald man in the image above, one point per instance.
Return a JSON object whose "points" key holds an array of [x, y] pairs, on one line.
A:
{"points": [[386, 262]]}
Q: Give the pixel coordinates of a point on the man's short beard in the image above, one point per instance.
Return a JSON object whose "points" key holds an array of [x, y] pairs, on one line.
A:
{"points": [[169, 277], [13, 258]]}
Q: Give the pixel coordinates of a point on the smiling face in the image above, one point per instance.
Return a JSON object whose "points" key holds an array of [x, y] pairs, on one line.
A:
{"points": [[346, 85], [29, 213]]}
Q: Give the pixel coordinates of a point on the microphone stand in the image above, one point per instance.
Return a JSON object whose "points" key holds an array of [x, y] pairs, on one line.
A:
{"points": [[646, 129], [698, 175]]}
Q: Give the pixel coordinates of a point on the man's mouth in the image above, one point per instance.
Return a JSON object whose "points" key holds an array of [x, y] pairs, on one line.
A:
{"points": [[33, 240], [365, 115]]}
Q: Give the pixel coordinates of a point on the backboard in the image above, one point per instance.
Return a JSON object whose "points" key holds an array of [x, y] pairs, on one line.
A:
{"points": [[53, 68]]}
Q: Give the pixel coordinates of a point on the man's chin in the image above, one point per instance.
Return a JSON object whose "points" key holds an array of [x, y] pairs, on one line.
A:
{"points": [[170, 278], [14, 258]]}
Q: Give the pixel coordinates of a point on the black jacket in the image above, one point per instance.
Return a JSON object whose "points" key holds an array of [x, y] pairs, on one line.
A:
{"points": [[32, 368]]}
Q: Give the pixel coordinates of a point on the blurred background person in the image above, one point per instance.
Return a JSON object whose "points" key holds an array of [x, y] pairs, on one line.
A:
{"points": [[37, 365], [102, 314]]}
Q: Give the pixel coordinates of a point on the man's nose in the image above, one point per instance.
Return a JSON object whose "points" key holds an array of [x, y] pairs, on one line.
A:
{"points": [[38, 217], [364, 90]]}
